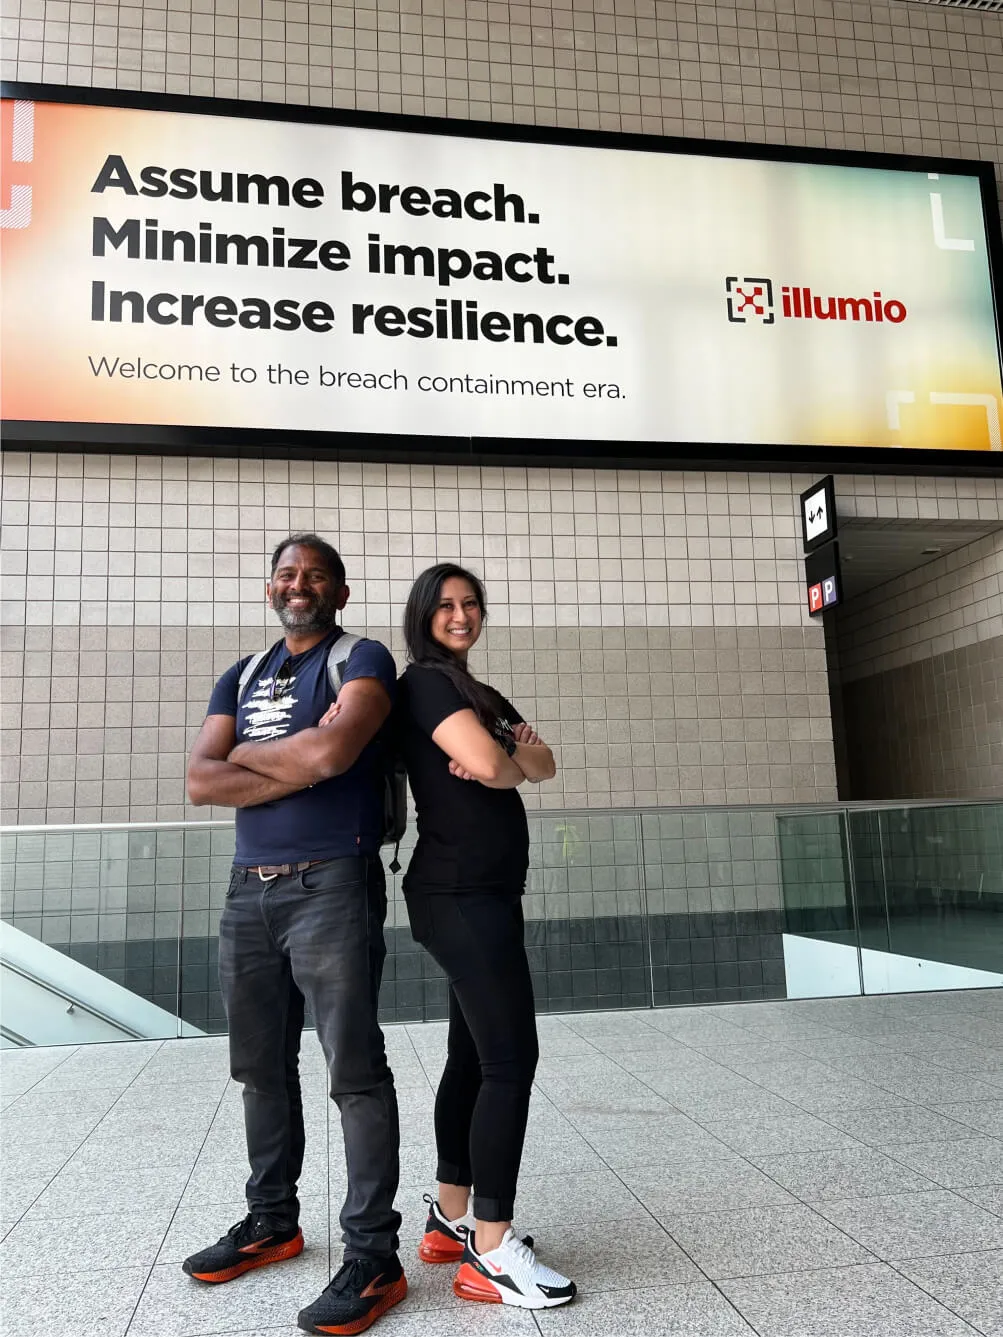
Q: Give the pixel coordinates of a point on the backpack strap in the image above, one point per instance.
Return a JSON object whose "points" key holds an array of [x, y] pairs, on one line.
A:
{"points": [[338, 657], [250, 669]]}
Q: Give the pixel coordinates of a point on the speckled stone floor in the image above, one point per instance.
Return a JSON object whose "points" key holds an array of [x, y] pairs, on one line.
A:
{"points": [[830, 1168]]}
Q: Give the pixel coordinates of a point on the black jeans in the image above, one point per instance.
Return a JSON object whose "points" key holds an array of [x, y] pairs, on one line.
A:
{"points": [[482, 1103], [315, 936]]}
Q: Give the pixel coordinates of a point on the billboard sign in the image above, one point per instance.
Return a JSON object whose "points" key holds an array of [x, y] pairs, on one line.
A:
{"points": [[168, 267]]}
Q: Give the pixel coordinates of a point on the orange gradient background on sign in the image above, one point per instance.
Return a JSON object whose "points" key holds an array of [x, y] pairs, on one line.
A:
{"points": [[48, 330], [587, 195]]}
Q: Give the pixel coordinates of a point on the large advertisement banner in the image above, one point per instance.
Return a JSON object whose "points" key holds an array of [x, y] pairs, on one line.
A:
{"points": [[167, 267]]}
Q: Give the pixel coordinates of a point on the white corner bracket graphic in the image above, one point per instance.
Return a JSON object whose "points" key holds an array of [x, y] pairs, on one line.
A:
{"points": [[988, 402], [894, 400], [18, 212], [940, 237]]}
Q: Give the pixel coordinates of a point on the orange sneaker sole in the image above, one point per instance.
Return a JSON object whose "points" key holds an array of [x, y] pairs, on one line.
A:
{"points": [[392, 1297], [438, 1248], [468, 1284], [277, 1255]]}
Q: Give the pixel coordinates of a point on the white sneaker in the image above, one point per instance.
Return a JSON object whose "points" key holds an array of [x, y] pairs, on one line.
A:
{"points": [[510, 1275], [443, 1239]]}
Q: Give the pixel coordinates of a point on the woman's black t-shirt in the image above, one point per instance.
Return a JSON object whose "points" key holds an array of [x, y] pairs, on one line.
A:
{"points": [[470, 837]]}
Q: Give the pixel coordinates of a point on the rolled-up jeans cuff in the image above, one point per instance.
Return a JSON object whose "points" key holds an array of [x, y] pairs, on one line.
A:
{"points": [[459, 1175], [493, 1209]]}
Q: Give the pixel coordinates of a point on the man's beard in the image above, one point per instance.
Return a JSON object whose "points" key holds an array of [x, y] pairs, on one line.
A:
{"points": [[321, 615]]}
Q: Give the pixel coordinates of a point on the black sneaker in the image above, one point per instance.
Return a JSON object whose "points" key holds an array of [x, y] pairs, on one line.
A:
{"points": [[357, 1295], [254, 1242]]}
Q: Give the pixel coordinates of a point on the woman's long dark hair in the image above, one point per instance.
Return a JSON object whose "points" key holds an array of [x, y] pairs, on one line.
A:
{"points": [[423, 649]]}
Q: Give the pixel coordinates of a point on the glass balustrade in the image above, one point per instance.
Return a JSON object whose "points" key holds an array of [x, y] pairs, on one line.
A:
{"points": [[110, 932]]}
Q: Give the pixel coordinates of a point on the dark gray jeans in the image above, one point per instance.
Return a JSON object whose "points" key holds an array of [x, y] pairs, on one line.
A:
{"points": [[315, 936]]}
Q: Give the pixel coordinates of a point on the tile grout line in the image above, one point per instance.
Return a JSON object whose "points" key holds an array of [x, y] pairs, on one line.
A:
{"points": [[153, 1266]]}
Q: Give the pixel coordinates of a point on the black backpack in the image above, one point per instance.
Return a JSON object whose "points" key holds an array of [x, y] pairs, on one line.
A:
{"points": [[394, 774]]}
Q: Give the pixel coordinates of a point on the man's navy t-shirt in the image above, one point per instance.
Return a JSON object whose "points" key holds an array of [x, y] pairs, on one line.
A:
{"points": [[334, 818]]}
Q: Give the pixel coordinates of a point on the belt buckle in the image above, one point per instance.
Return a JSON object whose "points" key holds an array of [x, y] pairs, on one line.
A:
{"points": [[268, 877]]}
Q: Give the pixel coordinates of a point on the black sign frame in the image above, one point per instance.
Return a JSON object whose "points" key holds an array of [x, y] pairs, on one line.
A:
{"points": [[827, 486], [145, 438]]}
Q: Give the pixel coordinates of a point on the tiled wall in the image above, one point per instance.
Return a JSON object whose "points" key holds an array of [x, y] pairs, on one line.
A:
{"points": [[921, 666], [650, 623], [892, 75]]}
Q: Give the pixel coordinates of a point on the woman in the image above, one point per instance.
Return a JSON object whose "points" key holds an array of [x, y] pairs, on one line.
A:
{"points": [[467, 750]]}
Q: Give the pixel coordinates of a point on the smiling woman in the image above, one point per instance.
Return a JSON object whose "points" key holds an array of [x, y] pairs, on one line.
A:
{"points": [[467, 750]]}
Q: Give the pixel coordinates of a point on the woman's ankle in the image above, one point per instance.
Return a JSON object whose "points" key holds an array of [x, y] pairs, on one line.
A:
{"points": [[454, 1201], [489, 1234]]}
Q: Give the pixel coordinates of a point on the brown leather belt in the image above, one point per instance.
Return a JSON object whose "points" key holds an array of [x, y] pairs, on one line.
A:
{"points": [[266, 870]]}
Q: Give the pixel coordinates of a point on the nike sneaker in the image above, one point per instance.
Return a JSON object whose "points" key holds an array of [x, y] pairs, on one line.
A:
{"points": [[362, 1290], [254, 1242], [443, 1239], [511, 1275]]}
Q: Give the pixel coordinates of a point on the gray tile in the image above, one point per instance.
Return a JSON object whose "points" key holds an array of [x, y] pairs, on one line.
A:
{"points": [[653, 1142], [219, 1181], [701, 1181], [990, 1198], [844, 1093], [984, 1115], [429, 1286], [86, 1243], [748, 1056], [893, 1124], [18, 1192], [670, 1311], [87, 1304], [634, 1253], [194, 1096], [969, 1163], [50, 1106], [30, 1065], [617, 1105], [610, 1026], [460, 1317], [270, 1297], [939, 1087], [30, 1151], [733, 1103], [914, 1225], [764, 1239], [592, 1196], [846, 1172], [778, 1134], [569, 1154], [969, 1058], [101, 1072], [127, 1190], [971, 1284], [104, 1152], [842, 1302]]}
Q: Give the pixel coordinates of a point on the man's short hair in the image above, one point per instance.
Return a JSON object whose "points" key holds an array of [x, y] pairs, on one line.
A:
{"points": [[330, 555]]}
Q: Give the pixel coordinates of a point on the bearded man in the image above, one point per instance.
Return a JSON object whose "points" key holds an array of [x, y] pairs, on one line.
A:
{"points": [[303, 923]]}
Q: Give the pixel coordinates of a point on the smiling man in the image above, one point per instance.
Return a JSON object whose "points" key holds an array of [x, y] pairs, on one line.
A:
{"points": [[303, 923]]}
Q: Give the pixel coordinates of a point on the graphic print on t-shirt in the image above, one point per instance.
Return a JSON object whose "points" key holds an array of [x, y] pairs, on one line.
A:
{"points": [[264, 718]]}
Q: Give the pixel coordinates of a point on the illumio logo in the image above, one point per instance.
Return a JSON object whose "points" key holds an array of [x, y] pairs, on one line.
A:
{"points": [[751, 300]]}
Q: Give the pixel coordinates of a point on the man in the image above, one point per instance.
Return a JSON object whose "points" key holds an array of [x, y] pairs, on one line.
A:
{"points": [[303, 920]]}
